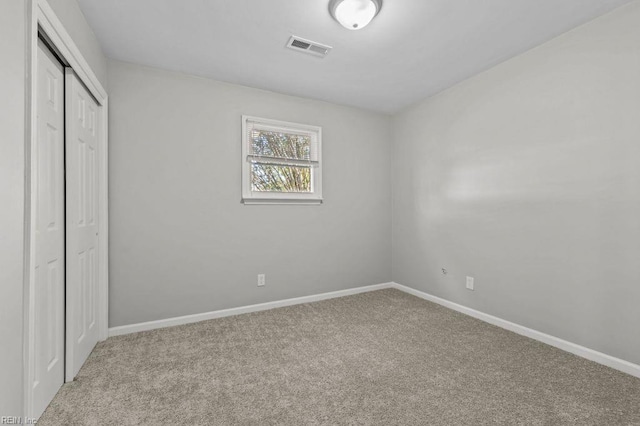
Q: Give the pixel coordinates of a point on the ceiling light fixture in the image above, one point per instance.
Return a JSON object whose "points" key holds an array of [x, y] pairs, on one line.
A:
{"points": [[354, 14]]}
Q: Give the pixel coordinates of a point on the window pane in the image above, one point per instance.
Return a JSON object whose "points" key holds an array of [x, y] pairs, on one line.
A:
{"points": [[274, 178], [282, 145]]}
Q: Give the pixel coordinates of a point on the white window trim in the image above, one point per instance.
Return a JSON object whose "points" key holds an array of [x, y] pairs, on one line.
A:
{"points": [[251, 197]]}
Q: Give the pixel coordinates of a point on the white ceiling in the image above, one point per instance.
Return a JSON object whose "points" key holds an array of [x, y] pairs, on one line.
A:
{"points": [[411, 50]]}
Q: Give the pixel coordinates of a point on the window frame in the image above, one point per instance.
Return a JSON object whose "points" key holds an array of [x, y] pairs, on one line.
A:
{"points": [[258, 197]]}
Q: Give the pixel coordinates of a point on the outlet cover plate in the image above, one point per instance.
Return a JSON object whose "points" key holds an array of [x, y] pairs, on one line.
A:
{"points": [[470, 283]]}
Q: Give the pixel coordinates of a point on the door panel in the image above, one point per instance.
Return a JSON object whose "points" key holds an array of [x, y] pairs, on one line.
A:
{"points": [[82, 223], [49, 232]]}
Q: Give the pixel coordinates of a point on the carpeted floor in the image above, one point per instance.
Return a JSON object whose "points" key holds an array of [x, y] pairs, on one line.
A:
{"points": [[383, 357]]}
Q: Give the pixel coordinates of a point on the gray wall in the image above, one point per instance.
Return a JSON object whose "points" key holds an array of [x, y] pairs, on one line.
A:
{"points": [[527, 177], [181, 241], [12, 86], [69, 13]]}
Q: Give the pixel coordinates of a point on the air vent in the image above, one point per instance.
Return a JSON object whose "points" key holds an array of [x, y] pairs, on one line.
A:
{"points": [[308, 46], [300, 44]]}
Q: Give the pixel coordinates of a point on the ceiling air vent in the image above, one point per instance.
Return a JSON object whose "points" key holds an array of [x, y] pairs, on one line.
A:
{"points": [[308, 46]]}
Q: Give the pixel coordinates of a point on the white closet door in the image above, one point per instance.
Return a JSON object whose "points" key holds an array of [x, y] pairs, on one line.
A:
{"points": [[82, 223], [49, 271]]}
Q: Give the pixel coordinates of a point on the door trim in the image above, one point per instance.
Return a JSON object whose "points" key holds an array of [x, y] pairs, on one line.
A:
{"points": [[42, 19]]}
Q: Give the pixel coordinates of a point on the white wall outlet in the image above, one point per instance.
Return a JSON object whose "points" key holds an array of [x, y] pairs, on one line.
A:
{"points": [[262, 280], [470, 283]]}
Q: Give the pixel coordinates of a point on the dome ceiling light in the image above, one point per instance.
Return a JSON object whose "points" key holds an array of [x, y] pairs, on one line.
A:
{"points": [[354, 14]]}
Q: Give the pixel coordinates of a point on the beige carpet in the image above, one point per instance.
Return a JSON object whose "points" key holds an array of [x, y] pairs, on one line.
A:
{"points": [[382, 358]]}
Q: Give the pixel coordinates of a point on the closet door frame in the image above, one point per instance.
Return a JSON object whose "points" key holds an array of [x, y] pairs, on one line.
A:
{"points": [[43, 22]]}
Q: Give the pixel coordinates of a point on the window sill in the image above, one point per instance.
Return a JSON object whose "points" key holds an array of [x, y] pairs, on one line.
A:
{"points": [[273, 201]]}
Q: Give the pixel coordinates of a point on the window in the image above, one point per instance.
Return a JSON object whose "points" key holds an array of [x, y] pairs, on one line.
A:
{"points": [[281, 162]]}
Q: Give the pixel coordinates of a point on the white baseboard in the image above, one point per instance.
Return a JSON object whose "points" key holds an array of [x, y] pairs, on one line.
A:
{"points": [[581, 351], [187, 319], [590, 354]]}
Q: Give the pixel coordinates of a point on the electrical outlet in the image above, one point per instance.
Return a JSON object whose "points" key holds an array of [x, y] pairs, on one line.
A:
{"points": [[470, 283], [262, 280]]}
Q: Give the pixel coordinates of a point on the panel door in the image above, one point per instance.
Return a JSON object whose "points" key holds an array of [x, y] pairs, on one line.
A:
{"points": [[82, 223], [49, 272]]}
